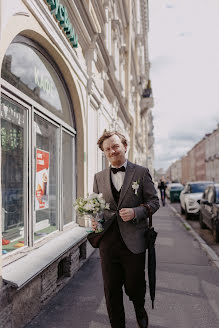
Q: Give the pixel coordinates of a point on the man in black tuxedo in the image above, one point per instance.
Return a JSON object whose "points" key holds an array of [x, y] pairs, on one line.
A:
{"points": [[124, 186]]}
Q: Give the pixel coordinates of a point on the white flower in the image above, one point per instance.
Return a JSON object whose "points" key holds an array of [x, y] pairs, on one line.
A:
{"points": [[88, 207], [135, 186], [107, 207], [92, 204], [92, 196], [99, 196], [102, 206]]}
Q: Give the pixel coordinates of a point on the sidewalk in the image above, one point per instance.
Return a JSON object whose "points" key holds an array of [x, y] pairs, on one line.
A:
{"points": [[187, 293]]}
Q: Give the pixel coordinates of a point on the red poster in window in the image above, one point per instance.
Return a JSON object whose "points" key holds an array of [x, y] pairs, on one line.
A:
{"points": [[42, 180]]}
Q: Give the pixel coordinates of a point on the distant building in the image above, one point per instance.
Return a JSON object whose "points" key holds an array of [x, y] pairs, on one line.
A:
{"points": [[212, 155], [200, 163], [174, 172], [185, 169]]}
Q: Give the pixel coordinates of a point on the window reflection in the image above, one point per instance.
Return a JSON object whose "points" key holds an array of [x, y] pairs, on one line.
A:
{"points": [[46, 166], [29, 71], [13, 176]]}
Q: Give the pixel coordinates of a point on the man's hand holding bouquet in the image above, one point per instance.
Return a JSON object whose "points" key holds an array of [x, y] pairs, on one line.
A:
{"points": [[93, 205]]}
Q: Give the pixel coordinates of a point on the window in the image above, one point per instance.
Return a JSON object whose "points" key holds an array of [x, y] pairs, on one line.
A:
{"points": [[25, 67], [198, 187], [38, 150], [45, 177], [14, 175]]}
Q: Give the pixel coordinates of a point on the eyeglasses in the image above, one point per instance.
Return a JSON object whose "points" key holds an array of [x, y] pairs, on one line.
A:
{"points": [[114, 147]]}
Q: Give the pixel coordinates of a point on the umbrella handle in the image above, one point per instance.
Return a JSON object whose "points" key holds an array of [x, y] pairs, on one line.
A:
{"points": [[149, 213]]}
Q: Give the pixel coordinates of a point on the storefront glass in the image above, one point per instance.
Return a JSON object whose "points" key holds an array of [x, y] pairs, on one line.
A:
{"points": [[14, 175], [68, 177], [29, 71], [45, 178], [38, 149]]}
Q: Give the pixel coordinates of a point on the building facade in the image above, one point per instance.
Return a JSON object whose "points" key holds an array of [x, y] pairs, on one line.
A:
{"points": [[174, 173], [212, 155], [201, 163], [69, 70]]}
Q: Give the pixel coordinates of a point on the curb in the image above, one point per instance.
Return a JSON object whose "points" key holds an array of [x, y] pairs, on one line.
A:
{"points": [[210, 252]]}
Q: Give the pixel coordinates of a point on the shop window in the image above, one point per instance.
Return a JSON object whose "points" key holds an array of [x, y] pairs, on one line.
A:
{"points": [[25, 67], [38, 150], [46, 177], [14, 176]]}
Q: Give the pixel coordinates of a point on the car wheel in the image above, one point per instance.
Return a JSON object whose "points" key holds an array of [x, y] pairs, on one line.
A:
{"points": [[182, 210], [202, 224]]}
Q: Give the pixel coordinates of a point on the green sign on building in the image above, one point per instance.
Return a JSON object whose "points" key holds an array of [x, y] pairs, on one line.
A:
{"points": [[61, 15]]}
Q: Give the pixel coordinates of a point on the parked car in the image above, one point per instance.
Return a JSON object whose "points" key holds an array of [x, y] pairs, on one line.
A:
{"points": [[173, 191], [209, 210], [189, 196]]}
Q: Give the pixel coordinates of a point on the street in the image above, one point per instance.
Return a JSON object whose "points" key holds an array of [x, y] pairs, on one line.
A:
{"points": [[206, 234], [187, 294]]}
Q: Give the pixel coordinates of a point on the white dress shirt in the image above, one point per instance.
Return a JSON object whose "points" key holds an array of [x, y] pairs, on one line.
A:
{"points": [[118, 178]]}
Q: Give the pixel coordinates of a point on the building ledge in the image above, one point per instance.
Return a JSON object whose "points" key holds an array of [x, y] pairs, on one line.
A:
{"points": [[146, 103], [20, 272]]}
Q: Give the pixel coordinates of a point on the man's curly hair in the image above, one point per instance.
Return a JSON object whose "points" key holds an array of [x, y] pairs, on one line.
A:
{"points": [[107, 134]]}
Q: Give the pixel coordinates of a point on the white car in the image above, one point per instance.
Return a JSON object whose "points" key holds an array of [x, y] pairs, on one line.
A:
{"points": [[189, 196]]}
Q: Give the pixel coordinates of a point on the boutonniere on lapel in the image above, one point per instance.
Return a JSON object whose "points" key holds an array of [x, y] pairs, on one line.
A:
{"points": [[135, 186]]}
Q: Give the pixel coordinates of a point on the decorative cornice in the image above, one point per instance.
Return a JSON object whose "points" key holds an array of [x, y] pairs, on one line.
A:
{"points": [[144, 19]]}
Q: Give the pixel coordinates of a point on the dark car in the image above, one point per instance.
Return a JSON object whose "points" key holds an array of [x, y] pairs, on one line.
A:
{"points": [[209, 210]]}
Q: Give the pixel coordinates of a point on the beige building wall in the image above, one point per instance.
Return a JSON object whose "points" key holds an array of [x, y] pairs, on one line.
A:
{"points": [[200, 165], [185, 169], [107, 77], [202, 161], [212, 155]]}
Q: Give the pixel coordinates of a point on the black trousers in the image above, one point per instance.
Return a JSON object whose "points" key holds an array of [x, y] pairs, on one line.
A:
{"points": [[121, 267]]}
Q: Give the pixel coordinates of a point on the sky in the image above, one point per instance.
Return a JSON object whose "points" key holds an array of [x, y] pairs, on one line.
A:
{"points": [[184, 58]]}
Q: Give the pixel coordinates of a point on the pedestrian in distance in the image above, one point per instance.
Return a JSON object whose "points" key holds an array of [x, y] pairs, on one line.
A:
{"points": [[125, 186], [162, 187]]}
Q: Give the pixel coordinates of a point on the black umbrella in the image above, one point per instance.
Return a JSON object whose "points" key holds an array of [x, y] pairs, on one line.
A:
{"points": [[152, 264], [150, 237]]}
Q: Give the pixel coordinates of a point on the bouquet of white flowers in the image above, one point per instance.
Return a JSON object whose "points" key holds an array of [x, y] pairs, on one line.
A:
{"points": [[93, 205]]}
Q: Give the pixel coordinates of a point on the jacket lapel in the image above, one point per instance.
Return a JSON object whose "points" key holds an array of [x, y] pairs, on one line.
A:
{"points": [[130, 170], [108, 189]]}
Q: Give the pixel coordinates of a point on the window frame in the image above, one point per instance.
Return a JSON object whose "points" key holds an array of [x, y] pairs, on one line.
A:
{"points": [[33, 108], [33, 44], [27, 108]]}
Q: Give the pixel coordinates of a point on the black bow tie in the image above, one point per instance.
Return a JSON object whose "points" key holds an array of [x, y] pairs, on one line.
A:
{"points": [[115, 170]]}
